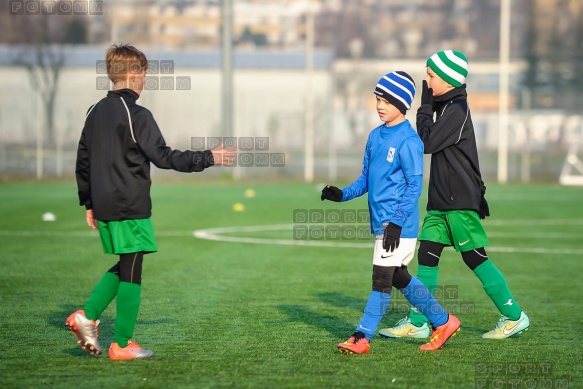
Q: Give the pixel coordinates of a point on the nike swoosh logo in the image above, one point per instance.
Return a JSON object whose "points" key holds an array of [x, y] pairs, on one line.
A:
{"points": [[411, 332], [463, 243], [507, 330], [435, 337], [383, 256]]}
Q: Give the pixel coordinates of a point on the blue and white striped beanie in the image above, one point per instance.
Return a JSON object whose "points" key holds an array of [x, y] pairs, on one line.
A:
{"points": [[398, 88]]}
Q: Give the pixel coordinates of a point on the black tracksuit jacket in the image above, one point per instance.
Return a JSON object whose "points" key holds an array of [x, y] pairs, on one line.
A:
{"points": [[455, 182], [118, 142]]}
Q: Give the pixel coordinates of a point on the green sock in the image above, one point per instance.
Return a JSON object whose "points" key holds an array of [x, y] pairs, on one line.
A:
{"points": [[428, 277], [101, 296], [496, 287], [128, 305]]}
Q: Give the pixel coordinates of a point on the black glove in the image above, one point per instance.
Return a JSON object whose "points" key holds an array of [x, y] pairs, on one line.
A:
{"points": [[426, 94], [331, 193], [484, 209], [392, 237]]}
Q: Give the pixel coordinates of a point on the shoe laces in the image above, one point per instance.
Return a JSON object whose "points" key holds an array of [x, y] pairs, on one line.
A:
{"points": [[358, 336], [403, 322], [502, 321]]}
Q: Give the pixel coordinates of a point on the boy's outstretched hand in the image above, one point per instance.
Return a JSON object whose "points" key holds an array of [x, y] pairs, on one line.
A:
{"points": [[426, 94], [91, 222], [331, 193], [224, 156]]}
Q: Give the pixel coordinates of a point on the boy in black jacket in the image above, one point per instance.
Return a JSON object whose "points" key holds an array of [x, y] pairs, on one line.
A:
{"points": [[118, 142], [456, 200]]}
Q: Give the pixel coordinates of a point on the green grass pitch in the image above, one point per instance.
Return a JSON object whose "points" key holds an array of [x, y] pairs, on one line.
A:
{"points": [[233, 314]]}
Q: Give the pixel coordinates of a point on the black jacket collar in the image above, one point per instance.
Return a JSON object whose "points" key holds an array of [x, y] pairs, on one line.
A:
{"points": [[126, 94], [455, 93]]}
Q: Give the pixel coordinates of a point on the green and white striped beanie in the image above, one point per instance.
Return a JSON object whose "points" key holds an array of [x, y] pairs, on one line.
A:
{"points": [[450, 65]]}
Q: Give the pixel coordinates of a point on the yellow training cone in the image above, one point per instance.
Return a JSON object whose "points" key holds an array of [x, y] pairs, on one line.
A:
{"points": [[238, 207]]}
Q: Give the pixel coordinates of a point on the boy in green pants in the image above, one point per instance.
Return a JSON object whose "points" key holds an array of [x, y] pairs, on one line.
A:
{"points": [[118, 142], [456, 200]]}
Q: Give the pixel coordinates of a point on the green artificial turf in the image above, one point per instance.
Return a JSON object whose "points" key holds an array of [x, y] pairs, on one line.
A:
{"points": [[233, 314]]}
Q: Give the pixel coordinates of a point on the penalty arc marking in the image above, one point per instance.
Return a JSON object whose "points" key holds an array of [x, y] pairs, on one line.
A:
{"points": [[227, 234], [221, 234]]}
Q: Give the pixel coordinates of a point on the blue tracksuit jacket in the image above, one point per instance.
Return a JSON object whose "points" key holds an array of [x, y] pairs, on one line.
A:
{"points": [[392, 174]]}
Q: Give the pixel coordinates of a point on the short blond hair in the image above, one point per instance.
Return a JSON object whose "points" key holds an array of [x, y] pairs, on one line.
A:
{"points": [[124, 59]]}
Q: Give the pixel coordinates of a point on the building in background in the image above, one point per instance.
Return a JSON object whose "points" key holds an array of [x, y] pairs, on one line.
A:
{"points": [[356, 40], [382, 29], [196, 24]]}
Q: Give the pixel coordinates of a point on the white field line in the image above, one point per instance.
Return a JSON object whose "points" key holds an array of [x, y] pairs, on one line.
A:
{"points": [[217, 235]]}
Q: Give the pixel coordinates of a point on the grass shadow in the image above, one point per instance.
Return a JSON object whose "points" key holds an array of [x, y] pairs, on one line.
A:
{"points": [[337, 327], [80, 353], [473, 329], [57, 319], [396, 311], [332, 324], [156, 322], [341, 300]]}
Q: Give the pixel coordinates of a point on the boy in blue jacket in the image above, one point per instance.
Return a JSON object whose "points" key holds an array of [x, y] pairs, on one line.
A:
{"points": [[393, 177]]}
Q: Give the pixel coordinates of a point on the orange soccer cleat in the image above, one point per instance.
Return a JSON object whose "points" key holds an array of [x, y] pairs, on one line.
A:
{"points": [[357, 344], [85, 330], [441, 334], [131, 351], [72, 324]]}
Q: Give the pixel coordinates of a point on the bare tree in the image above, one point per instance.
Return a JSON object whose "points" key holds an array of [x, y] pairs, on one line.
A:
{"points": [[42, 55], [44, 70]]}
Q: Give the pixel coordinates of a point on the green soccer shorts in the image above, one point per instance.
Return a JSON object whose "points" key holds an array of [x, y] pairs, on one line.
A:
{"points": [[461, 229], [127, 236]]}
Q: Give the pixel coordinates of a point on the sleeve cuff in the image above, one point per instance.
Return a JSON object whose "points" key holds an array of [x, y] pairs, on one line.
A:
{"points": [[209, 158]]}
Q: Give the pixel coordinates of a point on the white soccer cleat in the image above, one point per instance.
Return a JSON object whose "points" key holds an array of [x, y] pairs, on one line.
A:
{"points": [[405, 329], [506, 328]]}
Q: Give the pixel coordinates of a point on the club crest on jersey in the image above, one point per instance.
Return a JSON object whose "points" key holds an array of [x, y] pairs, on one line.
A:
{"points": [[391, 154]]}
